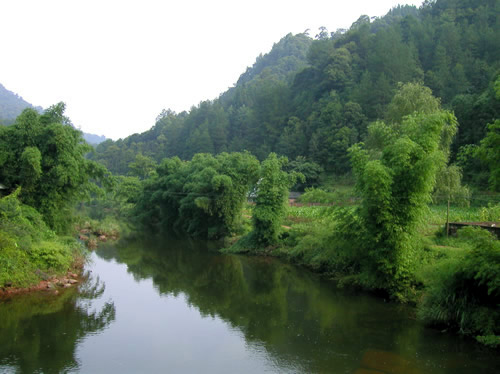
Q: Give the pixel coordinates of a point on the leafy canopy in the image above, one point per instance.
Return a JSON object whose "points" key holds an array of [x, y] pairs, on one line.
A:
{"points": [[45, 156]]}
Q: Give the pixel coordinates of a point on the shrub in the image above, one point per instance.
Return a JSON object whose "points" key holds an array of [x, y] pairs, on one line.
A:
{"points": [[463, 291]]}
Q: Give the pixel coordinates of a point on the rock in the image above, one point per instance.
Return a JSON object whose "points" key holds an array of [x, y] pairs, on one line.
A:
{"points": [[67, 285], [83, 238], [72, 281], [103, 238]]}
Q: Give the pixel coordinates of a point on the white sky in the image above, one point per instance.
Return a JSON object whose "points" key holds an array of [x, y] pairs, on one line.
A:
{"points": [[117, 64]]}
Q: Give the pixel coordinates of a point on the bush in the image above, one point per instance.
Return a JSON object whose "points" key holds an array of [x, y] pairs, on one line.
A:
{"points": [[463, 290], [317, 195], [29, 250]]}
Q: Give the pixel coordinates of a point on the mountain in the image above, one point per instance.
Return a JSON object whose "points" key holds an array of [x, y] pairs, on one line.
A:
{"points": [[93, 139], [315, 97], [11, 105]]}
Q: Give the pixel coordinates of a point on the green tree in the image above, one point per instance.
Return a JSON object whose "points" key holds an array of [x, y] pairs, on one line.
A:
{"points": [[395, 191], [272, 199], [45, 156], [489, 150], [142, 166], [449, 186], [201, 198], [396, 184]]}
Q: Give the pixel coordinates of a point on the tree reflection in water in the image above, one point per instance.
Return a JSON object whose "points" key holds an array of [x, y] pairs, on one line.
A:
{"points": [[40, 332], [303, 323]]}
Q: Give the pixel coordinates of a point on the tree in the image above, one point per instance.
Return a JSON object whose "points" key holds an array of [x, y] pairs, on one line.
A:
{"points": [[449, 186], [395, 191], [201, 198], [271, 202], [410, 98], [142, 166], [45, 156], [396, 184], [489, 150]]}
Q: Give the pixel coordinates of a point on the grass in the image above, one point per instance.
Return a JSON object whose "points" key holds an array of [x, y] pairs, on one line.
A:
{"points": [[437, 214]]}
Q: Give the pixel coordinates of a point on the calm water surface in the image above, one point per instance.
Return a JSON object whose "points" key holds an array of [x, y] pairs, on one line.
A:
{"points": [[176, 307]]}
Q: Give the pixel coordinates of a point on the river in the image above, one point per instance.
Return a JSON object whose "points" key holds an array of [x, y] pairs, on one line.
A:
{"points": [[171, 306]]}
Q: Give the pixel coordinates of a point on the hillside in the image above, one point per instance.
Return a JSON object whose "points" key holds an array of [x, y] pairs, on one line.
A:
{"points": [[11, 105], [315, 98]]}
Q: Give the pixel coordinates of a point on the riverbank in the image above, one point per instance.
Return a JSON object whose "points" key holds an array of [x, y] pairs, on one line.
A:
{"points": [[30, 253], [52, 285], [453, 281]]}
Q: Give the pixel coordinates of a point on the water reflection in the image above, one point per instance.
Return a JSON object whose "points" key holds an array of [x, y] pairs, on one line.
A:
{"points": [[174, 306], [302, 323], [40, 332]]}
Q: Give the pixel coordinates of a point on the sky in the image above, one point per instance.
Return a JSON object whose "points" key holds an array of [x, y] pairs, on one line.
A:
{"points": [[117, 64]]}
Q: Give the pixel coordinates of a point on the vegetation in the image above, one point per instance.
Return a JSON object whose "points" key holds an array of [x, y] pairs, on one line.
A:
{"points": [[11, 105], [29, 250], [203, 197], [405, 104], [463, 287], [488, 149], [43, 173], [271, 204], [44, 155], [316, 97]]}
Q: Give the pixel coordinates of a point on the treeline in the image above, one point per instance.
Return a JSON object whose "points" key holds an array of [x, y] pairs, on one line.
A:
{"points": [[315, 97]]}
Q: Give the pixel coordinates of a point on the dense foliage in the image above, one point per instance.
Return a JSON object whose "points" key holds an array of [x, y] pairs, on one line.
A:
{"points": [[489, 148], [44, 156], [395, 190], [202, 198], [464, 288], [29, 250], [272, 201], [315, 98]]}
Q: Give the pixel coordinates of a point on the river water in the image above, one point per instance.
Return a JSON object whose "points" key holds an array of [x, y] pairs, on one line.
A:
{"points": [[171, 306]]}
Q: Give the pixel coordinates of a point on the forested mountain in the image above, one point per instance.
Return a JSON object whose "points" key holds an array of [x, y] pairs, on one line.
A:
{"points": [[315, 97], [11, 105]]}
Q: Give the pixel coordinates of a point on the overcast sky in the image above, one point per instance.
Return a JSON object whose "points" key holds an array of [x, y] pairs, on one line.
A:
{"points": [[117, 64]]}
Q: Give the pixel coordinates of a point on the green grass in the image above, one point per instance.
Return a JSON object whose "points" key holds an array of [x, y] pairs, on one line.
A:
{"points": [[437, 214]]}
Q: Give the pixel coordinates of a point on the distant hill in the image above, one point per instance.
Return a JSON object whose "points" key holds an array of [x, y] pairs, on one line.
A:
{"points": [[93, 139], [11, 105]]}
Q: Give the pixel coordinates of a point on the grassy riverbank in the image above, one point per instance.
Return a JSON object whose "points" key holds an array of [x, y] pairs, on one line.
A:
{"points": [[454, 281], [29, 251]]}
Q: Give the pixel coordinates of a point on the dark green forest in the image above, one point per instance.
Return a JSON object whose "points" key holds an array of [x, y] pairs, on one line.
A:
{"points": [[314, 97]]}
